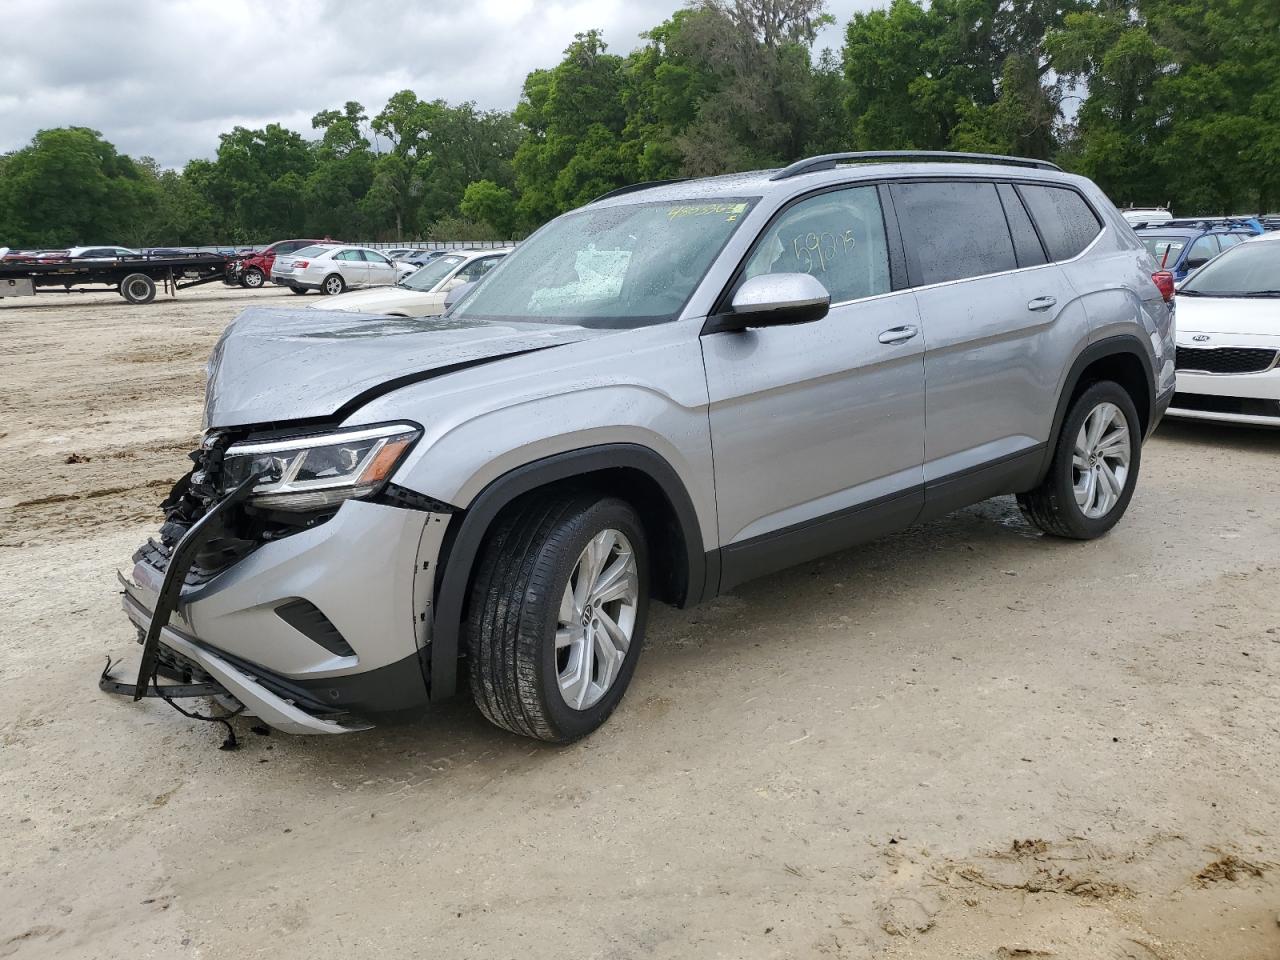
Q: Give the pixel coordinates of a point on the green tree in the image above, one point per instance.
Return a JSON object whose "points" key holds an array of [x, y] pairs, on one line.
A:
{"points": [[68, 187], [573, 116], [1182, 101], [487, 203]]}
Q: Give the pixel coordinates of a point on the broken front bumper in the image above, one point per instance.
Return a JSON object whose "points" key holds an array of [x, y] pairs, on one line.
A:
{"points": [[259, 701], [363, 581]]}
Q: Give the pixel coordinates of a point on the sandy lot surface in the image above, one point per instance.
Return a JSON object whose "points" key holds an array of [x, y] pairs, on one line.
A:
{"points": [[965, 741]]}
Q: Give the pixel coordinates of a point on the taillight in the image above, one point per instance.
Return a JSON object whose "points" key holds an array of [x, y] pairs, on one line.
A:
{"points": [[1163, 280], [303, 264]]}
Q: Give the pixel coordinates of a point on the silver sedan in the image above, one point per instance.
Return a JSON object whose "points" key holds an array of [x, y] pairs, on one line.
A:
{"points": [[334, 269]]}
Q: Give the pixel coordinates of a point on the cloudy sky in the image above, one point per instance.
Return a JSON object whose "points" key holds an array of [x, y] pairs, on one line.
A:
{"points": [[165, 77]]}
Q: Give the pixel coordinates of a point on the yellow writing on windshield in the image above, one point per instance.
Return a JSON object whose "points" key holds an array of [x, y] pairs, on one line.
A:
{"points": [[733, 210]]}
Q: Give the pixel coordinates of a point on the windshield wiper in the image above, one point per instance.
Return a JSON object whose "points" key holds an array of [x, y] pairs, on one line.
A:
{"points": [[1230, 294]]}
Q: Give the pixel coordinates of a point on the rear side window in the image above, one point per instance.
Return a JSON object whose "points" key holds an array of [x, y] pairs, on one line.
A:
{"points": [[1025, 242], [953, 230], [837, 237], [1067, 224]]}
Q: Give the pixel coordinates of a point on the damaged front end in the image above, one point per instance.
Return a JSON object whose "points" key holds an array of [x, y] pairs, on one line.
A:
{"points": [[254, 537]]}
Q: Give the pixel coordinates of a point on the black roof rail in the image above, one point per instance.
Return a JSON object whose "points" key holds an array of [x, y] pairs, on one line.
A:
{"points": [[829, 161], [634, 187]]}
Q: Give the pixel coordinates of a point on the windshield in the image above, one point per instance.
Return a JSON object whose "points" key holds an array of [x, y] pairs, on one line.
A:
{"points": [[312, 251], [427, 277], [1247, 270], [1166, 250], [615, 267]]}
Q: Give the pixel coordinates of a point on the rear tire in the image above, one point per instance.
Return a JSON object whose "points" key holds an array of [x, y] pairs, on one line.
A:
{"points": [[333, 285], [138, 288], [1094, 468], [557, 614], [253, 278]]}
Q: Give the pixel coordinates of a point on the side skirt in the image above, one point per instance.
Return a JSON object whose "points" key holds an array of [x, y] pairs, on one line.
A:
{"points": [[818, 537], [770, 552], [1012, 474]]}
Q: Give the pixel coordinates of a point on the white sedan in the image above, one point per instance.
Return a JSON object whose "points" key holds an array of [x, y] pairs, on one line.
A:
{"points": [[335, 268], [1228, 319], [423, 293]]}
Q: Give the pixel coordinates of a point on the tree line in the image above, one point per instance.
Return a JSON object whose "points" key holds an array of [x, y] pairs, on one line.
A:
{"points": [[1159, 101]]}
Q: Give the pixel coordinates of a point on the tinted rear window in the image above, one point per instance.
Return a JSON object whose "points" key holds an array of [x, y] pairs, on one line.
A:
{"points": [[1025, 242], [953, 230], [1067, 224]]}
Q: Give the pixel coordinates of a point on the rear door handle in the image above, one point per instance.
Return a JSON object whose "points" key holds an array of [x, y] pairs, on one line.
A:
{"points": [[898, 334], [1042, 303]]}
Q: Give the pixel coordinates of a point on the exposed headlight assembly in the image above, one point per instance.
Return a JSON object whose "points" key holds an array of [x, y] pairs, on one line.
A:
{"points": [[312, 473]]}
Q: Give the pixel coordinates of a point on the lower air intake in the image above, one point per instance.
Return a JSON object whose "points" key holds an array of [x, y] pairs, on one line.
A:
{"points": [[305, 617]]}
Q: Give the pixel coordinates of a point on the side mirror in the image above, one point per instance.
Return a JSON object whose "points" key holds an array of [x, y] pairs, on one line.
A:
{"points": [[457, 294], [774, 300]]}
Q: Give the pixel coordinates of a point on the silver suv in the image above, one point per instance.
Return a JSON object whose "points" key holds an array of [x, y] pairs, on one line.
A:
{"points": [[661, 395]]}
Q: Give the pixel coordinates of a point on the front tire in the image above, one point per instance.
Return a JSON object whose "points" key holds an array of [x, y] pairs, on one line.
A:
{"points": [[1094, 469], [333, 285], [253, 278], [557, 614]]}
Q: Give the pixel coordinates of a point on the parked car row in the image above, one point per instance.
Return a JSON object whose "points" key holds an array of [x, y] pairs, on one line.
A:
{"points": [[1228, 320], [1181, 249], [424, 292]]}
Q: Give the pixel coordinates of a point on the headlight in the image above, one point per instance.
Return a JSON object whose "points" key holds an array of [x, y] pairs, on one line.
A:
{"points": [[311, 473]]}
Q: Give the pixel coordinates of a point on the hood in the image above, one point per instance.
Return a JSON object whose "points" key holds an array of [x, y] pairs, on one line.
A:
{"points": [[1240, 316], [390, 299], [275, 365]]}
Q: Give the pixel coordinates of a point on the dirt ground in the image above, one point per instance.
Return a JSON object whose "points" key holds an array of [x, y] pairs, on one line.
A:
{"points": [[965, 741]]}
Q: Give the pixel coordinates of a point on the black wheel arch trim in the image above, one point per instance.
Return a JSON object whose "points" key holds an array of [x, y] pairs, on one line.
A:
{"points": [[1100, 350], [466, 536]]}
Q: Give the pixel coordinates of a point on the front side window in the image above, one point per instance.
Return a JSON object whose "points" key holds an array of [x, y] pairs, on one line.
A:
{"points": [[1202, 251], [837, 237], [372, 256], [953, 230], [1067, 224], [477, 268], [616, 267], [1247, 270]]}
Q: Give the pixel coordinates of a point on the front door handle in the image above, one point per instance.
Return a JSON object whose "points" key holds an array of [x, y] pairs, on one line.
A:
{"points": [[1042, 303], [898, 334]]}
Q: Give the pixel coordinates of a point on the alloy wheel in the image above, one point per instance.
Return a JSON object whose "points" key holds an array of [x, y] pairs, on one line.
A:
{"points": [[596, 619], [1100, 460]]}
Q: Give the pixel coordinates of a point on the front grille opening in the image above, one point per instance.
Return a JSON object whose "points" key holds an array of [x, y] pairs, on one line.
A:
{"points": [[1224, 359], [305, 617], [1234, 405]]}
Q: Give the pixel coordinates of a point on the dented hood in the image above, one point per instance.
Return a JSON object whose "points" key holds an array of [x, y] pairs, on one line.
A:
{"points": [[273, 365]]}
